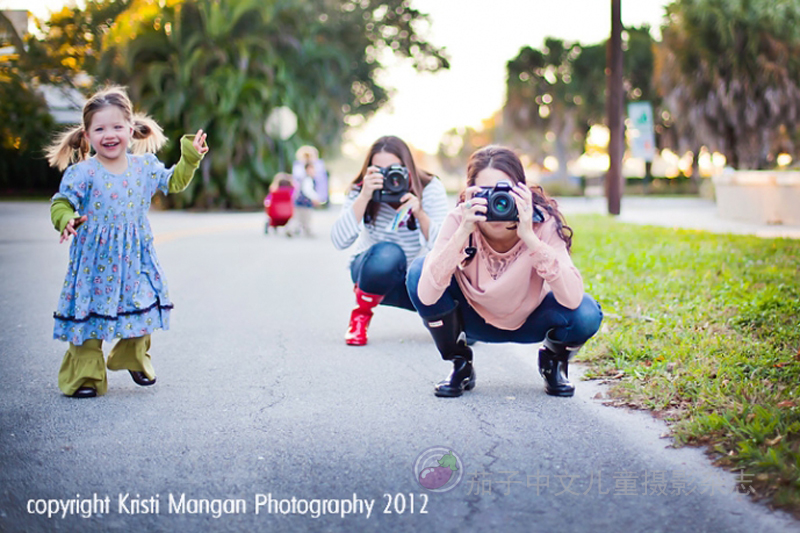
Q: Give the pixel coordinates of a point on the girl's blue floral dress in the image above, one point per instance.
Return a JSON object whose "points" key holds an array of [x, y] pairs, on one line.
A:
{"points": [[114, 287]]}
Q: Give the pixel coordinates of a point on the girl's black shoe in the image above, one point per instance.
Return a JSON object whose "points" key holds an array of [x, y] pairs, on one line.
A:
{"points": [[85, 392], [141, 379]]}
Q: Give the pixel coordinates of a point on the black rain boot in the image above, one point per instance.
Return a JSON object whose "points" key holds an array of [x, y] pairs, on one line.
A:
{"points": [[447, 331], [554, 367]]}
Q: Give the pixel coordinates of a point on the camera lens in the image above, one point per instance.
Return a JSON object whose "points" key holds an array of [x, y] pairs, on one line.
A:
{"points": [[395, 179], [502, 204]]}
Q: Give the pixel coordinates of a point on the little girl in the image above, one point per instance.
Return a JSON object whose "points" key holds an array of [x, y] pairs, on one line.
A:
{"points": [[114, 288]]}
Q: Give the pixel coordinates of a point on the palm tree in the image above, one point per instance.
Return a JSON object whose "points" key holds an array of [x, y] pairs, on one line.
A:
{"points": [[202, 65], [224, 65], [728, 72]]}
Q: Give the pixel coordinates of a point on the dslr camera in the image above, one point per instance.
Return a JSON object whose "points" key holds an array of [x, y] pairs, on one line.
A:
{"points": [[395, 184], [500, 203]]}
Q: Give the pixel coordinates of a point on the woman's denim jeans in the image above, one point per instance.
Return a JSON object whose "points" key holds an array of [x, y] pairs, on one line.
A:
{"points": [[381, 270], [567, 326]]}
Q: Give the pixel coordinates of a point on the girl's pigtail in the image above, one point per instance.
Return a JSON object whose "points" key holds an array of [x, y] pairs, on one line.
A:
{"points": [[69, 147], [147, 135]]}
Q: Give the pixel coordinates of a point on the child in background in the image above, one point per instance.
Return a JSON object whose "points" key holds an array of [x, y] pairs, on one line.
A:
{"points": [[279, 204], [305, 155], [114, 287], [305, 201]]}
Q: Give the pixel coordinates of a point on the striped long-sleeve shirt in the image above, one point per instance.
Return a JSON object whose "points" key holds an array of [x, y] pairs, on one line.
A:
{"points": [[347, 230]]}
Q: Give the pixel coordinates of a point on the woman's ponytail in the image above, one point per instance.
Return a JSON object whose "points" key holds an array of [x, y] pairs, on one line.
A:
{"points": [[69, 147], [147, 135]]}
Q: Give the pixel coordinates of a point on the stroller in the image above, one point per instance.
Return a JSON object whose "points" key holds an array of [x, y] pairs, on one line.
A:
{"points": [[279, 207]]}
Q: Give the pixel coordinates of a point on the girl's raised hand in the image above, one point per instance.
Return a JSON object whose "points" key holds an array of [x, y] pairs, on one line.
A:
{"points": [[524, 200], [71, 227], [373, 180], [199, 142], [409, 199], [473, 210]]}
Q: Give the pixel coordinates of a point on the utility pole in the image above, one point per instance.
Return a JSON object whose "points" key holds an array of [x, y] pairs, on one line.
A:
{"points": [[614, 110]]}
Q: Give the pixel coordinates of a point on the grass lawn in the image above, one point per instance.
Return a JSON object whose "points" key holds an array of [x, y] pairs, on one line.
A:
{"points": [[703, 330]]}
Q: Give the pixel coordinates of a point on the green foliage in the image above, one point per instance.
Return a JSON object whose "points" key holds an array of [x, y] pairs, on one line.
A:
{"points": [[554, 95], [72, 43], [25, 117], [639, 65], [545, 91], [223, 66], [25, 124], [556, 88], [705, 330]]}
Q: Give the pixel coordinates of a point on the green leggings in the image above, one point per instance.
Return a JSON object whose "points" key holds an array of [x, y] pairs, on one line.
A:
{"points": [[84, 365]]}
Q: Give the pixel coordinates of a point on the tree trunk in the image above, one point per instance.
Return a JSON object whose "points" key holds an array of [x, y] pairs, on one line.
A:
{"points": [[614, 109], [731, 152]]}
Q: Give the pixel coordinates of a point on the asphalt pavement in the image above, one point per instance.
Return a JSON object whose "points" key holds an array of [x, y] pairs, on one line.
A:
{"points": [[263, 419]]}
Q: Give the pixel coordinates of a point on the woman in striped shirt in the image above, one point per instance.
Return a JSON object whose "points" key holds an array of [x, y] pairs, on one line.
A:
{"points": [[387, 235]]}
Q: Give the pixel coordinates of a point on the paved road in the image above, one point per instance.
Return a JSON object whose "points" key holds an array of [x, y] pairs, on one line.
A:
{"points": [[259, 401]]}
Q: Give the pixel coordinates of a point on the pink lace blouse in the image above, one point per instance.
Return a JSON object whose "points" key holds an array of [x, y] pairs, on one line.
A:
{"points": [[504, 288]]}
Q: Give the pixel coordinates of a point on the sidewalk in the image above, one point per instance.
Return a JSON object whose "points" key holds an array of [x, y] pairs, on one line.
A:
{"points": [[677, 212]]}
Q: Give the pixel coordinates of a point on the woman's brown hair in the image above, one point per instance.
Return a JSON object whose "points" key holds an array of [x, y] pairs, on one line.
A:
{"points": [[72, 146], [417, 178], [506, 161]]}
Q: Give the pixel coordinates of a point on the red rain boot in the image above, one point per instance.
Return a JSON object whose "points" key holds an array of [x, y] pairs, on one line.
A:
{"points": [[360, 316]]}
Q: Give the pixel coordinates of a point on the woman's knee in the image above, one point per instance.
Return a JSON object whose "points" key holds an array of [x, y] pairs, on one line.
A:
{"points": [[385, 259], [412, 280], [587, 318], [382, 268]]}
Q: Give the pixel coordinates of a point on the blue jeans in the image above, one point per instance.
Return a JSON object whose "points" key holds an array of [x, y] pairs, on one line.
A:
{"points": [[572, 327], [381, 270]]}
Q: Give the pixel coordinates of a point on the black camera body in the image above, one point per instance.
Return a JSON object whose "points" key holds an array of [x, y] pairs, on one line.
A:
{"points": [[395, 184], [501, 205]]}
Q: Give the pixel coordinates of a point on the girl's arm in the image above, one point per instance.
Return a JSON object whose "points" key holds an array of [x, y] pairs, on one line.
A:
{"points": [[346, 229], [61, 212], [548, 252], [442, 261], [193, 149], [553, 263], [65, 203], [372, 181]]}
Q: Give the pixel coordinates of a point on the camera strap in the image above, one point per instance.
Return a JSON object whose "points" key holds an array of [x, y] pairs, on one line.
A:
{"points": [[470, 250]]}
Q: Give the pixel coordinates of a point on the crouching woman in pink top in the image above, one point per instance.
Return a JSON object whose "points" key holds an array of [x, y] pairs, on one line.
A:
{"points": [[503, 281]]}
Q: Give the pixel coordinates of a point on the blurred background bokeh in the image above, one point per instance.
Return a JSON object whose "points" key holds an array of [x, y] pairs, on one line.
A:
{"points": [[716, 80]]}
